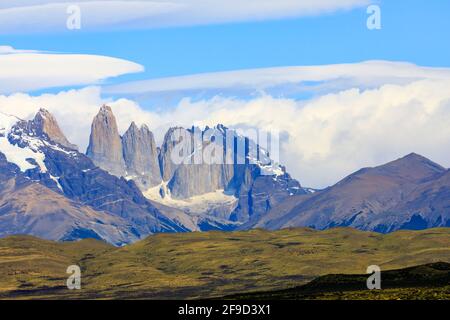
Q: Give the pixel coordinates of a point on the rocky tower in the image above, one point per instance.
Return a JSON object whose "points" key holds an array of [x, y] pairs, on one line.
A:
{"points": [[195, 179], [44, 123], [167, 166], [141, 156], [105, 144]]}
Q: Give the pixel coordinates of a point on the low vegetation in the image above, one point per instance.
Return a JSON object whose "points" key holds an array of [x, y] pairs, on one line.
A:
{"points": [[208, 265], [426, 282]]}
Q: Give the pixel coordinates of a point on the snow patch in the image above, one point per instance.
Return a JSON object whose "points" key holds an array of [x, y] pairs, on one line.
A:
{"points": [[17, 155], [310, 190], [197, 204], [14, 154], [57, 182], [272, 170]]}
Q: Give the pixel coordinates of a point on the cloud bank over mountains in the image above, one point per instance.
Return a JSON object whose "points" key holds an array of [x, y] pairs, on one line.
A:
{"points": [[362, 114], [21, 16], [323, 139]]}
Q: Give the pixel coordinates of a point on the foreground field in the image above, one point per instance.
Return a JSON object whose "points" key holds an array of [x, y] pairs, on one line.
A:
{"points": [[426, 282], [207, 265]]}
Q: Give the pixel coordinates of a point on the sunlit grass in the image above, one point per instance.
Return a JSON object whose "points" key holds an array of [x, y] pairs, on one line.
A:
{"points": [[205, 265]]}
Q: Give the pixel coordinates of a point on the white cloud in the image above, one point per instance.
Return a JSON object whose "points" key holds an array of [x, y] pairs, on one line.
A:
{"points": [[364, 74], [50, 15], [337, 134], [22, 70], [326, 138], [73, 109], [11, 50]]}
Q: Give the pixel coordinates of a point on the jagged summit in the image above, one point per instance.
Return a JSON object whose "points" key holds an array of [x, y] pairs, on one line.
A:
{"points": [[44, 123], [141, 156], [136, 157], [105, 144], [105, 109], [133, 127], [409, 193], [133, 156], [57, 193]]}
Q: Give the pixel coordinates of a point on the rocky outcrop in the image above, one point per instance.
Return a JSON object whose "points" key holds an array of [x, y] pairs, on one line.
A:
{"points": [[203, 170], [193, 162], [173, 137], [105, 144], [73, 176], [192, 180], [141, 156], [250, 175], [186, 166], [44, 123], [49, 189]]}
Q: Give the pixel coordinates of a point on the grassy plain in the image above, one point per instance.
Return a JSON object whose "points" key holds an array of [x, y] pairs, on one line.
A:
{"points": [[208, 265]]}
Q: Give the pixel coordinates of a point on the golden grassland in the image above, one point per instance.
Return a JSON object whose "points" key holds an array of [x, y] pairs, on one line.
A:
{"points": [[207, 265]]}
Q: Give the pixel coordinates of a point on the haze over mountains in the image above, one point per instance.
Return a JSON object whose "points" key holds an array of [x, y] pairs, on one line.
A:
{"points": [[126, 187]]}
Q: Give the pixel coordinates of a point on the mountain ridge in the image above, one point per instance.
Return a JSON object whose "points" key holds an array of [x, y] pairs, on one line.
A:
{"points": [[74, 176], [369, 199], [411, 192], [189, 178]]}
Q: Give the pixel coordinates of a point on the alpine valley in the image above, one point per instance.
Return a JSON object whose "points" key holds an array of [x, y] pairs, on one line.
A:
{"points": [[125, 188]]}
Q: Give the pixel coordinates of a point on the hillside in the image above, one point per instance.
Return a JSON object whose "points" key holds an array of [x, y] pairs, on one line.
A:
{"points": [[210, 264], [409, 193], [431, 281]]}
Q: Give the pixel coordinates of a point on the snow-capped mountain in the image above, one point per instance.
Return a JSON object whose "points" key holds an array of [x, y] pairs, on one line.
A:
{"points": [[127, 187], [101, 194], [255, 182], [31, 153]]}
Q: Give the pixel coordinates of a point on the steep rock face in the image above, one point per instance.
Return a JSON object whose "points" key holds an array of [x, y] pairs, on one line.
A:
{"points": [[191, 180], [203, 169], [105, 144], [193, 162], [243, 169], [171, 139], [44, 123], [198, 168], [76, 177], [141, 156]]}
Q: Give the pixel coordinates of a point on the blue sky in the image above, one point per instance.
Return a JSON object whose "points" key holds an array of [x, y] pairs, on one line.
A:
{"points": [[345, 97], [414, 31]]}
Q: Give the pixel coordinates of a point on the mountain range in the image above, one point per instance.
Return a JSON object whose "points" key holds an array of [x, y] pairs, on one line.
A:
{"points": [[409, 193], [126, 187]]}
